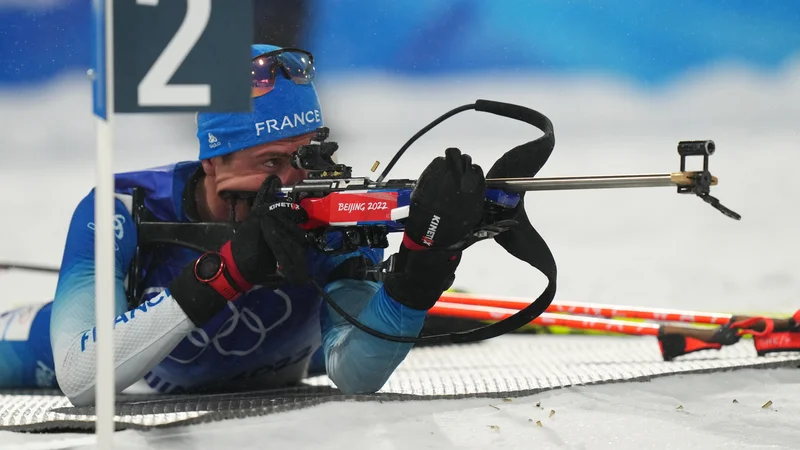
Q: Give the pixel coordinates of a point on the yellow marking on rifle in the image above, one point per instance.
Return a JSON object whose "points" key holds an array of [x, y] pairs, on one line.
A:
{"points": [[685, 178]]}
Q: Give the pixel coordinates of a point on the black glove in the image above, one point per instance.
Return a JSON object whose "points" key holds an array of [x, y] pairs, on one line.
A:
{"points": [[446, 205], [269, 243], [268, 248]]}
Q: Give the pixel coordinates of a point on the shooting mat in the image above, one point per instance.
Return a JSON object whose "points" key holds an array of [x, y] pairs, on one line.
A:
{"points": [[507, 366]]}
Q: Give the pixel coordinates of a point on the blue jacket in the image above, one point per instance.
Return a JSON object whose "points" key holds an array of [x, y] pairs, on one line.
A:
{"points": [[264, 338]]}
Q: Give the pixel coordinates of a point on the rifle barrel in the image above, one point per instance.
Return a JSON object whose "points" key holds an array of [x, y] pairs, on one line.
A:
{"points": [[591, 182]]}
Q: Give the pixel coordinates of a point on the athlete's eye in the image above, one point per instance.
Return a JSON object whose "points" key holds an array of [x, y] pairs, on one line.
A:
{"points": [[275, 163]]}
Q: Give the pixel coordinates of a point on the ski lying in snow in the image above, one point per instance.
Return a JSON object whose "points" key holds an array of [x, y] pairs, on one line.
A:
{"points": [[29, 267]]}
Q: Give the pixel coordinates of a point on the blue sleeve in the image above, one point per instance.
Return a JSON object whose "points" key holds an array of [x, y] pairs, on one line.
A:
{"points": [[356, 361], [74, 304], [142, 336]]}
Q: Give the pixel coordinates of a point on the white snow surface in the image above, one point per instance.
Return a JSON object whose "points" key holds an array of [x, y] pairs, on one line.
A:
{"points": [[678, 412], [644, 247]]}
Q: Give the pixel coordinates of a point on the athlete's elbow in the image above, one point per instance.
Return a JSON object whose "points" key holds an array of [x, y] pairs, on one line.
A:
{"points": [[75, 372], [359, 388], [85, 398], [78, 392], [355, 385]]}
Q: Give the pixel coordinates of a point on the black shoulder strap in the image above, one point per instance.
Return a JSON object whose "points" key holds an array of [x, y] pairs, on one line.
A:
{"points": [[523, 241]]}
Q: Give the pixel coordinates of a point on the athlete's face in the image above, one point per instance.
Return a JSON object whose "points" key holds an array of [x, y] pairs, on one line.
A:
{"points": [[245, 170]]}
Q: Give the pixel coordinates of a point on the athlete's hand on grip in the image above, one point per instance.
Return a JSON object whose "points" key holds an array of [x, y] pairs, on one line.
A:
{"points": [[446, 205], [266, 247], [269, 241]]}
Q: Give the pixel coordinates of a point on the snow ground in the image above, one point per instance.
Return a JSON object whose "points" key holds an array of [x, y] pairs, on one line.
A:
{"points": [[647, 247], [687, 411]]}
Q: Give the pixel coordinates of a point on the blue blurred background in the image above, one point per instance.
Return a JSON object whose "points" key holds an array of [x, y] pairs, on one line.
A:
{"points": [[646, 42]]}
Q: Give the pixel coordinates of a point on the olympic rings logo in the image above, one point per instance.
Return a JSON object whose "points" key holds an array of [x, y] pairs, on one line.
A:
{"points": [[246, 317]]}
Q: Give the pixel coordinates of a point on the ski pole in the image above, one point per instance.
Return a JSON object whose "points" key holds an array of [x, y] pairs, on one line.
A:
{"points": [[489, 313], [694, 338], [609, 311], [673, 340], [593, 309]]}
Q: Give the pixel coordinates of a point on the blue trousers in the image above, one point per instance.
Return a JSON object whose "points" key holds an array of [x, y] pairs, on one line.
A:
{"points": [[26, 358]]}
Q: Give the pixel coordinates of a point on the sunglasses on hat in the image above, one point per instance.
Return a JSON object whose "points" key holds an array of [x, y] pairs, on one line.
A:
{"points": [[293, 63]]}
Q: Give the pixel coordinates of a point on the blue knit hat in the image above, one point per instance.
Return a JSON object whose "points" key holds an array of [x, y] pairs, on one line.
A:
{"points": [[288, 110]]}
